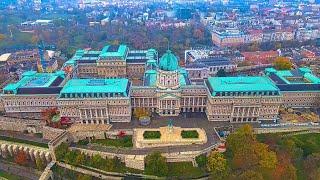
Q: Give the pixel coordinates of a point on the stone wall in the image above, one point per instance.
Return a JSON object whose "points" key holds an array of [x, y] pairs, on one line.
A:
{"points": [[284, 129], [51, 133], [134, 161], [11, 149], [18, 124]]}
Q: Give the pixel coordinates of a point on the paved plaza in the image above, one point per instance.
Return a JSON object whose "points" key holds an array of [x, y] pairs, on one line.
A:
{"points": [[190, 120]]}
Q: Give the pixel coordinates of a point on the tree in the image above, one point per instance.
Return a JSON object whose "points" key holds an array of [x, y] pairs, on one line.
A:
{"points": [[282, 63], [311, 166], [140, 112], [84, 177], [80, 159], [156, 164], [97, 161], [201, 160], [21, 158], [250, 175], [39, 164], [70, 157], [47, 115], [285, 171], [247, 153], [221, 73], [240, 139], [61, 151], [217, 165], [267, 159]]}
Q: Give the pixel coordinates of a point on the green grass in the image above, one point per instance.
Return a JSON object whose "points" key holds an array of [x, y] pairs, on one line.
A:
{"points": [[83, 142], [184, 170], [8, 176], [121, 142], [190, 134], [151, 135], [11, 139]]}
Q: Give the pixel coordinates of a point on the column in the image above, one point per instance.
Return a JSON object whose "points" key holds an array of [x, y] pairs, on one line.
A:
{"points": [[85, 113]]}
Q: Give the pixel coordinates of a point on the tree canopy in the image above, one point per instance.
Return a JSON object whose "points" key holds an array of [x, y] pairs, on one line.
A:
{"points": [[282, 63], [156, 164], [217, 165]]}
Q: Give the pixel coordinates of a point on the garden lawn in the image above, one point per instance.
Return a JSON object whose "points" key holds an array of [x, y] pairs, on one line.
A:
{"points": [[125, 141], [190, 134], [11, 139], [6, 175], [184, 170], [151, 135]]}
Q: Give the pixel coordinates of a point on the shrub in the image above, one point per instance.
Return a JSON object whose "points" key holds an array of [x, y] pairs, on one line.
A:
{"points": [[190, 134], [156, 164], [201, 160], [125, 141], [83, 142], [151, 135]]}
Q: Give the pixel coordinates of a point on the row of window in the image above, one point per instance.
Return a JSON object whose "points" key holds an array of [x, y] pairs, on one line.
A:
{"points": [[92, 95], [261, 93]]}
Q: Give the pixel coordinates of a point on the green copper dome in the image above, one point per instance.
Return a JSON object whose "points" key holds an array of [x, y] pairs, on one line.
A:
{"points": [[168, 62]]}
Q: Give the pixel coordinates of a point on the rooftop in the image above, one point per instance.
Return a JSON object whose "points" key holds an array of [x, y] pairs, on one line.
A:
{"points": [[31, 81], [240, 84], [85, 86], [301, 79], [114, 51]]}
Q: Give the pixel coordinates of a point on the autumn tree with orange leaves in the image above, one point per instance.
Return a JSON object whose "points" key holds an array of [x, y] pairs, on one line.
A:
{"points": [[247, 153], [47, 115], [21, 158]]}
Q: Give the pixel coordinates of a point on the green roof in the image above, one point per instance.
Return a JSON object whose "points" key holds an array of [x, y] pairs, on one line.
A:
{"points": [[32, 79], [169, 62], [241, 84], [112, 51], [298, 76], [96, 86], [150, 77]]}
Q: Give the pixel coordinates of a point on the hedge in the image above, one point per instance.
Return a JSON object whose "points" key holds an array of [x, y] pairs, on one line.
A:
{"points": [[190, 134], [151, 135]]}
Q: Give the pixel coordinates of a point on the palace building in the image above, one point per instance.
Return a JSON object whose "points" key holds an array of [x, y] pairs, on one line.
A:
{"points": [[33, 93], [300, 88], [97, 88], [96, 101], [113, 61], [242, 99]]}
